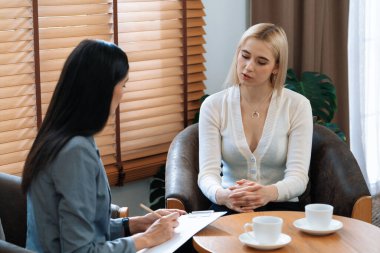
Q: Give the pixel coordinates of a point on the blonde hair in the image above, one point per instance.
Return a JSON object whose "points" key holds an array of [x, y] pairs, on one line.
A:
{"points": [[276, 39]]}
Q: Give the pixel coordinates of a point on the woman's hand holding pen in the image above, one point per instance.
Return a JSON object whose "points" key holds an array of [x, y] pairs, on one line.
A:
{"points": [[144, 222], [156, 227], [160, 231]]}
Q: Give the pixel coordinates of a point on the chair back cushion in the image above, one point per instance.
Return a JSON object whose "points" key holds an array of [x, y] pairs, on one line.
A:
{"points": [[13, 209]]}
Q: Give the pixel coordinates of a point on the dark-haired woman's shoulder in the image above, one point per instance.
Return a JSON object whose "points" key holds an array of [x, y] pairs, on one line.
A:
{"points": [[78, 156], [79, 144]]}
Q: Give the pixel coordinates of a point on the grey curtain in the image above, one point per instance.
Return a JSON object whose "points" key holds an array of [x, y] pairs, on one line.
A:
{"points": [[317, 32]]}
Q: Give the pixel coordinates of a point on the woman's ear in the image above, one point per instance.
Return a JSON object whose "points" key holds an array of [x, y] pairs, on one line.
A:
{"points": [[275, 69]]}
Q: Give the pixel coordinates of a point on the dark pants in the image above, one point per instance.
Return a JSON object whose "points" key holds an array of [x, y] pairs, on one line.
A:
{"points": [[187, 247], [271, 206]]}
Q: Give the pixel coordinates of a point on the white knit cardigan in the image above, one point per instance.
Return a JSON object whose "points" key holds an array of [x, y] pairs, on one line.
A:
{"points": [[282, 156]]}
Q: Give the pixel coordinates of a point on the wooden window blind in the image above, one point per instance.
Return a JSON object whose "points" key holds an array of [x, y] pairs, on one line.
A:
{"points": [[62, 25], [18, 126], [151, 112], [195, 59], [165, 80]]}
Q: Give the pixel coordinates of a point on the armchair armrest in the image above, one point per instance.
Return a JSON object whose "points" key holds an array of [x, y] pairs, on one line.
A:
{"points": [[181, 175]]}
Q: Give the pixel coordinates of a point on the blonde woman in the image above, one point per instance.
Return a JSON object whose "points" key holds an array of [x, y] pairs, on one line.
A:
{"points": [[255, 136]]}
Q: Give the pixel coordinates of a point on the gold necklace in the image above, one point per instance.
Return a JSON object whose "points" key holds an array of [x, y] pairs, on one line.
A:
{"points": [[256, 114]]}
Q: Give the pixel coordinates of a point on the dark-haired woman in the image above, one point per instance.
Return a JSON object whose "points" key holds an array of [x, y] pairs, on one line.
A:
{"points": [[68, 196]]}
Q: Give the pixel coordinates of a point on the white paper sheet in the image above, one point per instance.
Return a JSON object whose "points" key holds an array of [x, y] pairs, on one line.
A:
{"points": [[188, 226]]}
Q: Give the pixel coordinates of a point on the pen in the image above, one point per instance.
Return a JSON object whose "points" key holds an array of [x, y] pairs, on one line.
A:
{"points": [[204, 211], [149, 210]]}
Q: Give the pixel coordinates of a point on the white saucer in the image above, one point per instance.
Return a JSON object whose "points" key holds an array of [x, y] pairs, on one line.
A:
{"points": [[252, 242], [302, 224]]}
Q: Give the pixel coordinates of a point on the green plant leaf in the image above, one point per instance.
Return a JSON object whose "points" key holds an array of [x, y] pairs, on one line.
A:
{"points": [[155, 194], [157, 183], [320, 91], [158, 203], [157, 189]]}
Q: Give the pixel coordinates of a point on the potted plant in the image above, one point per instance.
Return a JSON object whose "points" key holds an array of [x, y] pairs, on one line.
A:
{"points": [[320, 91]]}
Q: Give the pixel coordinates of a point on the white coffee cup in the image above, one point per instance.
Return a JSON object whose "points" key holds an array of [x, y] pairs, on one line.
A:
{"points": [[266, 229], [319, 216]]}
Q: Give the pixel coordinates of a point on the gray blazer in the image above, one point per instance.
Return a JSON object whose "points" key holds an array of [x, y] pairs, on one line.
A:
{"points": [[69, 205]]}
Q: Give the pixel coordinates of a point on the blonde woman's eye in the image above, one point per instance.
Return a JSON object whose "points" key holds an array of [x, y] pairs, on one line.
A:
{"points": [[262, 62], [245, 56]]}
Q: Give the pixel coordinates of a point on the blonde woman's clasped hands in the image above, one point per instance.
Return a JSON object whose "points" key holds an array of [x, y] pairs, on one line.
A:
{"points": [[246, 195]]}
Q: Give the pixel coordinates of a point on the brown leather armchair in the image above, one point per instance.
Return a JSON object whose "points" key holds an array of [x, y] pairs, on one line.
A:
{"points": [[13, 214], [335, 176]]}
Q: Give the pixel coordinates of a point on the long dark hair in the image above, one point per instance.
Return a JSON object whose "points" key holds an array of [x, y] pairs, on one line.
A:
{"points": [[80, 104]]}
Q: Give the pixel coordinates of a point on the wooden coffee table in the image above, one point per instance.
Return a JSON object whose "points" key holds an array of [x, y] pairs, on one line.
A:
{"points": [[222, 236]]}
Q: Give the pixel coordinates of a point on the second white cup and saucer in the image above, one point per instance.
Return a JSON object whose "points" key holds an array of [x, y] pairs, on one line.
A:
{"points": [[250, 240], [266, 234], [318, 220]]}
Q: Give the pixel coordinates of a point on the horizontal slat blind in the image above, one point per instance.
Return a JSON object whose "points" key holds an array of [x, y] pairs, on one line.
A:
{"points": [[62, 25], [18, 126], [152, 110], [195, 59], [152, 106]]}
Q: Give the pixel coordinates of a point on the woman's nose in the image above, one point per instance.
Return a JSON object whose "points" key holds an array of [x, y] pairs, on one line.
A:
{"points": [[250, 66]]}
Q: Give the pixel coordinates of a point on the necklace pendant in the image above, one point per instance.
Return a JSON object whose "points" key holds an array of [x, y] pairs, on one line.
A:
{"points": [[255, 115]]}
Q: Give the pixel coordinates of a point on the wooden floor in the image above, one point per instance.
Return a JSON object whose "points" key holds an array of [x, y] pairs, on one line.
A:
{"points": [[376, 210]]}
